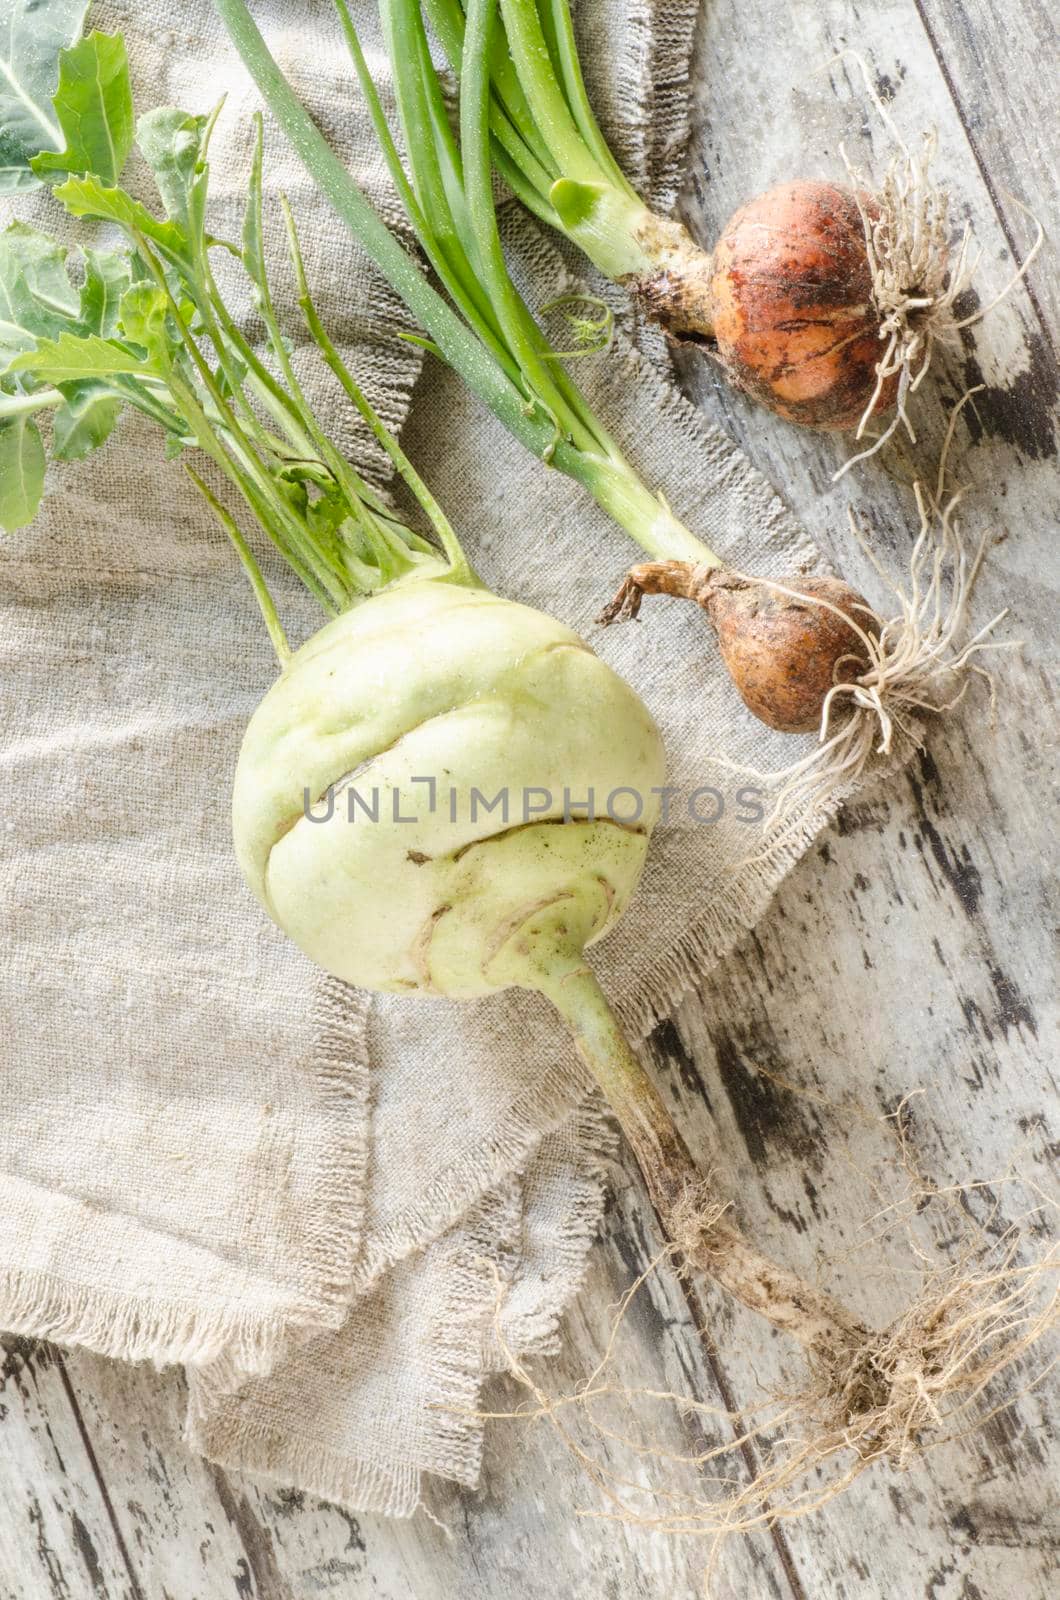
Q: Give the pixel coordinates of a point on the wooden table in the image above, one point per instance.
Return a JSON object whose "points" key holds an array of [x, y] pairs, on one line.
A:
{"points": [[908, 952]]}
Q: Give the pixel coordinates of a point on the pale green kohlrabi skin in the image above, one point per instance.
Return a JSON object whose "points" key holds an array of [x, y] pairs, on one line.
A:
{"points": [[435, 679]]}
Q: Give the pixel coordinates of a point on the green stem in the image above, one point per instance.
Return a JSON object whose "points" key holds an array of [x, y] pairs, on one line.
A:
{"points": [[483, 325], [454, 339], [520, 330], [355, 491], [644, 515], [511, 119], [139, 395], [200, 429], [590, 199], [548, 105], [525, 191], [17, 405], [459, 346], [608, 226], [332, 580], [403, 27], [459, 566], [436, 167], [250, 566], [564, 49]]}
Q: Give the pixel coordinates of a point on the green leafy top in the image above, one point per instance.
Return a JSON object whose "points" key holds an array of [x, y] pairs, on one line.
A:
{"points": [[56, 99], [479, 323], [148, 328], [94, 109]]}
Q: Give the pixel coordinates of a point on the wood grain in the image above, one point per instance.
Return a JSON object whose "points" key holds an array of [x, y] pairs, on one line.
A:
{"points": [[908, 952]]}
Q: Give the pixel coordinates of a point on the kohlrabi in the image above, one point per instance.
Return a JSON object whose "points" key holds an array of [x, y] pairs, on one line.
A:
{"points": [[420, 676]]}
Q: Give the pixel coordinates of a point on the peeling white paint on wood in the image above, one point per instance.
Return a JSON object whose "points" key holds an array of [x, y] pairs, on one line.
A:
{"points": [[909, 951]]}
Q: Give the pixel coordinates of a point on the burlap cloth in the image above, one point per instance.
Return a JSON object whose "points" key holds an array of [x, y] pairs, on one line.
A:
{"points": [[210, 1153]]}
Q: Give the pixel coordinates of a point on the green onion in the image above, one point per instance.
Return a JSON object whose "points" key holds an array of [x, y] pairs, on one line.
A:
{"points": [[484, 330]]}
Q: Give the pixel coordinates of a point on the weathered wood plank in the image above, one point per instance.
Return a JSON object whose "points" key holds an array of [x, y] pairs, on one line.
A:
{"points": [[58, 1539], [984, 52], [910, 950], [810, 1001], [191, 1530], [932, 892]]}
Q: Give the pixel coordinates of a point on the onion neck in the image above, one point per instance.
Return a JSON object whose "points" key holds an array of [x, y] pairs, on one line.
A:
{"points": [[606, 224], [675, 289], [644, 515], [656, 257]]}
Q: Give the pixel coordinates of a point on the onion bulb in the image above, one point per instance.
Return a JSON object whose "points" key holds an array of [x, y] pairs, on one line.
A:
{"points": [[795, 319], [786, 303], [785, 644]]}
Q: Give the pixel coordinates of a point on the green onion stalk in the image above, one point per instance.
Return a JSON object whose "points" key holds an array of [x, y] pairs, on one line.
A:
{"points": [[482, 328], [786, 645], [823, 301], [549, 148]]}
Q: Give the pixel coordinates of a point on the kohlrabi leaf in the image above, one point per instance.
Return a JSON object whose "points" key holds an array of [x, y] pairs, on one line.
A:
{"points": [[21, 471], [145, 319], [171, 144], [32, 33], [108, 273], [87, 197], [37, 298], [93, 105], [84, 420], [253, 250], [69, 357]]}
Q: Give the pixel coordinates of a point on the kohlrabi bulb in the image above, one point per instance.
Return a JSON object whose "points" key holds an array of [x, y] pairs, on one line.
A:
{"points": [[402, 791]]}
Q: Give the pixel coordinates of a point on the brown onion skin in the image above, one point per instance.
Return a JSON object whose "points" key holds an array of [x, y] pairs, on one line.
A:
{"points": [[783, 651], [792, 308], [783, 654]]}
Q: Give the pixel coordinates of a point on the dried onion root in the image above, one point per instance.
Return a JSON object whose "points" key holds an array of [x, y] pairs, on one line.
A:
{"points": [[917, 275]]}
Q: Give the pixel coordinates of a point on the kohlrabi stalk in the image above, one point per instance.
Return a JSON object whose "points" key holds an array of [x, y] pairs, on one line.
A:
{"points": [[422, 683]]}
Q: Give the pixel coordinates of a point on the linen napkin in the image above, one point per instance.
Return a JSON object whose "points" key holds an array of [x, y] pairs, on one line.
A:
{"points": [[211, 1153]]}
